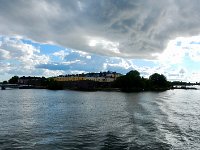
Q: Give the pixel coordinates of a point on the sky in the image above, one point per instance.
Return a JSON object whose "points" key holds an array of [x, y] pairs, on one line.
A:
{"points": [[51, 38]]}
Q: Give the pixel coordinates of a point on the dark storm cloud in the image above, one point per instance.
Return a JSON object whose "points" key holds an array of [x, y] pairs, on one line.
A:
{"points": [[124, 28]]}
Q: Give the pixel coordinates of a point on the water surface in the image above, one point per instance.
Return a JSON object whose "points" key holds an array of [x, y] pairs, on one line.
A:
{"points": [[44, 119]]}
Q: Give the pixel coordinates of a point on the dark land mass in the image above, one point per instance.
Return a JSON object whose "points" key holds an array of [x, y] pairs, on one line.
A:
{"points": [[131, 82]]}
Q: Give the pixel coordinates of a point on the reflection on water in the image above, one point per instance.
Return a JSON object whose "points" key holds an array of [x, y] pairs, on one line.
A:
{"points": [[43, 119]]}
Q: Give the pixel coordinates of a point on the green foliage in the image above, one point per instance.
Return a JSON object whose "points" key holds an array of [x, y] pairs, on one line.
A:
{"points": [[130, 82], [158, 80], [13, 80], [133, 82], [5, 82], [54, 85], [133, 73], [44, 82]]}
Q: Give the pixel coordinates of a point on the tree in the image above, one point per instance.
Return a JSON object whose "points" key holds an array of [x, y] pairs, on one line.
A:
{"points": [[133, 82], [133, 79], [133, 73], [54, 85], [130, 82], [158, 80], [13, 80], [43, 81], [5, 82]]}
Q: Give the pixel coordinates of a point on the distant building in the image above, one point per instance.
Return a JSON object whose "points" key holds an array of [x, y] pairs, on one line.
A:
{"points": [[31, 80], [69, 78], [98, 77]]}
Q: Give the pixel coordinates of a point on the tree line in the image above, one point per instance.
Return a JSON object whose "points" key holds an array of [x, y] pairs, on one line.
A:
{"points": [[48, 83], [132, 81]]}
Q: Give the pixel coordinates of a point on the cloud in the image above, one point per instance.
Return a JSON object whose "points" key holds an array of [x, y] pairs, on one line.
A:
{"points": [[15, 49], [194, 77], [64, 66], [4, 54], [61, 54], [180, 49], [123, 28], [119, 64], [18, 58], [51, 73], [182, 71], [53, 66]]}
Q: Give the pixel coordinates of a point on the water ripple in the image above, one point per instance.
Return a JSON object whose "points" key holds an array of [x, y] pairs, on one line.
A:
{"points": [[43, 119]]}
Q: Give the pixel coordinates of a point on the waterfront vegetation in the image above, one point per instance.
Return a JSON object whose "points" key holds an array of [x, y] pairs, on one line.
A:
{"points": [[131, 82], [13, 80], [51, 84]]}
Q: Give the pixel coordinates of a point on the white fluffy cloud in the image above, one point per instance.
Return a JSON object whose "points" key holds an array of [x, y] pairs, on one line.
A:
{"points": [[178, 49], [19, 58], [25, 53], [61, 54], [4, 54], [123, 28]]}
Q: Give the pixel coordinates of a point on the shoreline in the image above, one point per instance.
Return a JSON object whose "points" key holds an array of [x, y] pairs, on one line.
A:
{"points": [[110, 89]]}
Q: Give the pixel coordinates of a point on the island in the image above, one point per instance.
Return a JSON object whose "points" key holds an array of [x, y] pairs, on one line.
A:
{"points": [[102, 81]]}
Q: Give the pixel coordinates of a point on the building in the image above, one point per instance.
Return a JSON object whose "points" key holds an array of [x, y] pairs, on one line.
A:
{"points": [[31, 80], [98, 77], [69, 78]]}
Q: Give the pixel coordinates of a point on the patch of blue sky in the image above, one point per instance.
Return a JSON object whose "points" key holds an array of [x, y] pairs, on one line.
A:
{"points": [[178, 43], [95, 64], [31, 43], [48, 49], [194, 42], [119, 69], [53, 66], [85, 67], [72, 56], [55, 59], [144, 63], [11, 61], [190, 64], [44, 48]]}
